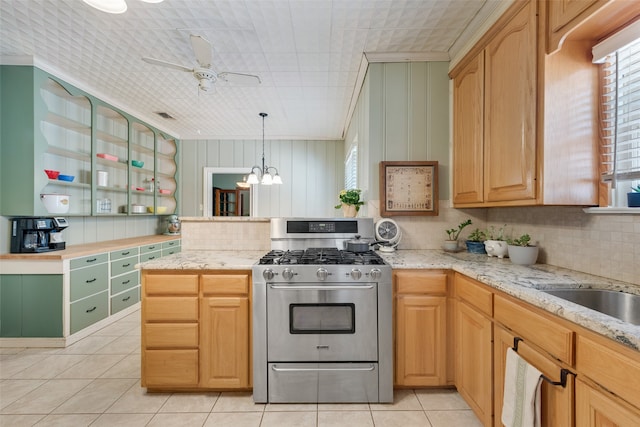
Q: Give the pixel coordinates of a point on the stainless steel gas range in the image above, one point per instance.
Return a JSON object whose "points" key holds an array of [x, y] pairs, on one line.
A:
{"points": [[322, 316]]}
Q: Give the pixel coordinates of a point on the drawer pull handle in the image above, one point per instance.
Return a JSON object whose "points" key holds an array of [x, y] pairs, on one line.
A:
{"points": [[151, 257], [126, 282], [91, 280], [92, 259], [126, 253], [126, 265], [92, 309], [563, 372], [126, 299], [152, 247]]}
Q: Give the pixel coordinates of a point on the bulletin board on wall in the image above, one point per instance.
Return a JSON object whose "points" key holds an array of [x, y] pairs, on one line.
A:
{"points": [[408, 188]]}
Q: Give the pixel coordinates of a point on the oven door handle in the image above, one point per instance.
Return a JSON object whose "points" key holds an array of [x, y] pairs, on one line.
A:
{"points": [[319, 288], [275, 368]]}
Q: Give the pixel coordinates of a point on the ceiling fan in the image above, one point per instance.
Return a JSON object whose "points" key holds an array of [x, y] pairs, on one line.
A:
{"points": [[204, 73]]}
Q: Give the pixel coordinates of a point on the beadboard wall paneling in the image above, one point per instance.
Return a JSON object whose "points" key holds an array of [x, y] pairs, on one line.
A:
{"points": [[312, 173]]}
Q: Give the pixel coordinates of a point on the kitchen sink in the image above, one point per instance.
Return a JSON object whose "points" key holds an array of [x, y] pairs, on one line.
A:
{"points": [[621, 305]]}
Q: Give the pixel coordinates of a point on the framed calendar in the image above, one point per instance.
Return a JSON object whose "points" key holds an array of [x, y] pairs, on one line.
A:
{"points": [[408, 188]]}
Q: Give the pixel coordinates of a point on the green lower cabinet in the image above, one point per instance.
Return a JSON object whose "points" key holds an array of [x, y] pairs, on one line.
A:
{"points": [[125, 299], [31, 305], [88, 311], [124, 282]]}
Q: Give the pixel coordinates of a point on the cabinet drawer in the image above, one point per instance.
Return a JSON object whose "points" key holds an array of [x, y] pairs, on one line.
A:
{"points": [[225, 284], [170, 244], [170, 284], [123, 265], [124, 282], [88, 281], [88, 260], [170, 368], [610, 367], [89, 311], [410, 282], [170, 335], [124, 253], [172, 250], [148, 256], [474, 294], [170, 309], [539, 330], [124, 300], [150, 248]]}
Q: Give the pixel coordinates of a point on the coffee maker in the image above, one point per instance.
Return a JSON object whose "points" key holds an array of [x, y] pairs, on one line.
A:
{"points": [[37, 234]]}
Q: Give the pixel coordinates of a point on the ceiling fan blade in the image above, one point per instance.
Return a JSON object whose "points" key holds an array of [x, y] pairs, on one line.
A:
{"points": [[167, 64], [239, 78], [202, 50]]}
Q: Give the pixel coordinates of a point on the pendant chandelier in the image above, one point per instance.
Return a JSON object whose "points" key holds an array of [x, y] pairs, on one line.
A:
{"points": [[266, 171]]}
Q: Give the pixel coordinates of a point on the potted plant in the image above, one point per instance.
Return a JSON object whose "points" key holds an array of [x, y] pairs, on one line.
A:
{"points": [[475, 242], [350, 202], [495, 244], [451, 244], [633, 197], [521, 251]]}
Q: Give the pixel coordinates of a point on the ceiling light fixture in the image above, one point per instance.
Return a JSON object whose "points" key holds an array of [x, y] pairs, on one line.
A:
{"points": [[113, 6], [267, 178]]}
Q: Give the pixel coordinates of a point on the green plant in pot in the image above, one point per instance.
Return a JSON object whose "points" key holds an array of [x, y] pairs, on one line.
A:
{"points": [[633, 197], [521, 251], [475, 242], [350, 202], [451, 244]]}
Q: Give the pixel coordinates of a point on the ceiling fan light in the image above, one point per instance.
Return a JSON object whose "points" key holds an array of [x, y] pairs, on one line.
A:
{"points": [[277, 179], [267, 179], [109, 6], [253, 179]]}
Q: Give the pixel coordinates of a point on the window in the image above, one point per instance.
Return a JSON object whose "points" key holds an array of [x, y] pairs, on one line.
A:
{"points": [[351, 168], [620, 113]]}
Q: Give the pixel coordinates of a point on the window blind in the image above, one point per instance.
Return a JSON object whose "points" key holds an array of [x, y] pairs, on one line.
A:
{"points": [[620, 116]]}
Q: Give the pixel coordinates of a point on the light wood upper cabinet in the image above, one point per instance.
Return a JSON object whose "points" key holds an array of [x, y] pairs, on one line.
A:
{"points": [[421, 328], [564, 15], [510, 110], [539, 126], [468, 131]]}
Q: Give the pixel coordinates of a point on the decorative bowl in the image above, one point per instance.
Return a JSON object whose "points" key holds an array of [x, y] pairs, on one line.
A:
{"points": [[56, 203], [68, 178], [107, 157], [137, 163], [52, 174], [160, 209]]}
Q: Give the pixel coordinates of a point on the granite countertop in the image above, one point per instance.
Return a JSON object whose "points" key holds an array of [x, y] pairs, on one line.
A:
{"points": [[522, 282]]}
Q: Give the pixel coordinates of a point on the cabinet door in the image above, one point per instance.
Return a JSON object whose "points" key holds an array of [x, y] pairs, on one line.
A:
{"points": [[474, 361], [510, 110], [556, 401], [595, 408], [421, 340], [224, 326], [468, 128]]}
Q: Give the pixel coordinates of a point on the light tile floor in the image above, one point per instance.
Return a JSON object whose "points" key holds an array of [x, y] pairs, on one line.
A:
{"points": [[96, 382]]}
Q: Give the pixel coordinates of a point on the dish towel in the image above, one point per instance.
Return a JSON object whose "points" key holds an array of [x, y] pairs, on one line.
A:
{"points": [[521, 402]]}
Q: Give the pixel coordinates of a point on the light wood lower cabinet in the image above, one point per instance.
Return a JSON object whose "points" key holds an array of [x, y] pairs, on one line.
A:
{"points": [[557, 402], [421, 328], [224, 331], [597, 408], [474, 361], [196, 330]]}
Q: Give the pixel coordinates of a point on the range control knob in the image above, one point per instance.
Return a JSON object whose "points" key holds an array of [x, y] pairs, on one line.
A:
{"points": [[322, 273], [268, 274], [375, 274], [355, 274], [287, 274]]}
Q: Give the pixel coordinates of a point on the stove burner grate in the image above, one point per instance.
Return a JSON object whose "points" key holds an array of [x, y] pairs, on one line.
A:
{"points": [[321, 256]]}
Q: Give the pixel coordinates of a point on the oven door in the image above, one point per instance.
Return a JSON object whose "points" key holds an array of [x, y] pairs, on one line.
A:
{"points": [[322, 322]]}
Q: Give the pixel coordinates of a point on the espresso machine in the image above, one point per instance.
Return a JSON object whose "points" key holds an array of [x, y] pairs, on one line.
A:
{"points": [[37, 234]]}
